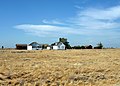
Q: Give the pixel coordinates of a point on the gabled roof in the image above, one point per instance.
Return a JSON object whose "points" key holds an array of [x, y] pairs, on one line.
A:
{"points": [[57, 44], [35, 45]]}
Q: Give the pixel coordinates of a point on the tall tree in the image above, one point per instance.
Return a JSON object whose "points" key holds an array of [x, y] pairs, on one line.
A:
{"points": [[65, 42], [2, 47], [100, 45]]}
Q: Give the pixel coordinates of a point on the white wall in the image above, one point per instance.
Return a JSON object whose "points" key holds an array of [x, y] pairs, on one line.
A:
{"points": [[62, 47], [48, 48], [36, 48], [55, 47], [29, 47]]}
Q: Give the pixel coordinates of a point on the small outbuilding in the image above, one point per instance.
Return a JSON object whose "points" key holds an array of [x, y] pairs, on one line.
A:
{"points": [[48, 48], [29, 47]]}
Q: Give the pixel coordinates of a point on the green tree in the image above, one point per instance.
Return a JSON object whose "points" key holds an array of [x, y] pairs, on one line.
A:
{"points": [[65, 42], [76, 47], [2, 47], [100, 45]]}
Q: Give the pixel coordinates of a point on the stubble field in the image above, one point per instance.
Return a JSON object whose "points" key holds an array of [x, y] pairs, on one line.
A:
{"points": [[60, 67]]}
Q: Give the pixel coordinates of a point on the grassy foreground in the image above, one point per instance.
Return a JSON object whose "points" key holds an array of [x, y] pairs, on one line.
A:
{"points": [[60, 67]]}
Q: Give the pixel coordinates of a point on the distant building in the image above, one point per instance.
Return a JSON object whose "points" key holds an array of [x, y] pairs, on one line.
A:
{"points": [[58, 46], [29, 47], [48, 47], [45, 46], [32, 46], [23, 47], [36, 46]]}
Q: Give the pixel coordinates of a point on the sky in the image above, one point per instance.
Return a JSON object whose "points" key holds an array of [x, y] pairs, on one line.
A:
{"points": [[82, 22]]}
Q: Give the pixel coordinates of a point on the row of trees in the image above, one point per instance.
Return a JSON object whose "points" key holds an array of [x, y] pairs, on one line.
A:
{"points": [[68, 46], [99, 46]]}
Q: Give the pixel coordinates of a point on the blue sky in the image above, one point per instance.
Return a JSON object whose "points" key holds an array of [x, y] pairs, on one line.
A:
{"points": [[82, 22]]}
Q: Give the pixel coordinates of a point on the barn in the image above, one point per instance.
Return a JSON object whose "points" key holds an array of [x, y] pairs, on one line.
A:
{"points": [[23, 47]]}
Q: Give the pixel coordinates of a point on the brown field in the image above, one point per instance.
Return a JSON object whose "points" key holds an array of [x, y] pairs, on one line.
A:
{"points": [[60, 67]]}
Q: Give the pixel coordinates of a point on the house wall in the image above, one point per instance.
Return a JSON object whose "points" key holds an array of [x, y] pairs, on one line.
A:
{"points": [[62, 47], [55, 47], [36, 48], [29, 47], [48, 48]]}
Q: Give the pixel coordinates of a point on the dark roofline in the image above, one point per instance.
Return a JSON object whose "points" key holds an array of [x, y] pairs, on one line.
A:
{"points": [[57, 43], [21, 44]]}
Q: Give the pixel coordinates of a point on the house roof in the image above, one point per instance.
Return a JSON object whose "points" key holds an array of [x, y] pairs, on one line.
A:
{"points": [[34, 43], [57, 44], [21, 44]]}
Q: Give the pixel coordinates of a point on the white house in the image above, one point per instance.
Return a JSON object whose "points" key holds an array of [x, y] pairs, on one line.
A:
{"points": [[58, 46]]}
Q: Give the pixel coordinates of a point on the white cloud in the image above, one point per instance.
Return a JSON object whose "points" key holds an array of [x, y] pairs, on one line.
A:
{"points": [[47, 30], [87, 22], [90, 23], [78, 7], [103, 14], [98, 18], [53, 22]]}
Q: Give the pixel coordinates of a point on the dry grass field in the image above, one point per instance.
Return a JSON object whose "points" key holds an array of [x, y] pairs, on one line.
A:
{"points": [[60, 67]]}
